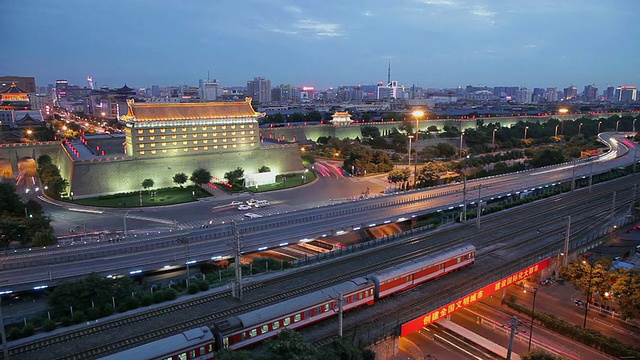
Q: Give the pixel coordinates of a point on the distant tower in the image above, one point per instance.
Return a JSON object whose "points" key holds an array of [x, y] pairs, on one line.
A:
{"points": [[389, 73], [90, 81]]}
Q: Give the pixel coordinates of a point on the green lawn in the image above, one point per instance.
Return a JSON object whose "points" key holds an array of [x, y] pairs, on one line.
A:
{"points": [[165, 196], [292, 180]]}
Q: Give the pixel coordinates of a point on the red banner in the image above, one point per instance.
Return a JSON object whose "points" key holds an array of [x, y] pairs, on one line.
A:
{"points": [[448, 309]]}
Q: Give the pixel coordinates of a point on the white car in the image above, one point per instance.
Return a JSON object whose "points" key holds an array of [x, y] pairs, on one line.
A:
{"points": [[251, 201], [252, 215], [244, 207], [236, 203]]}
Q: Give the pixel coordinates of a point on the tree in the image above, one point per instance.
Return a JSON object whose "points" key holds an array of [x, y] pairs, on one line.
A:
{"points": [[9, 200], [147, 183], [234, 176], [539, 355], [289, 345], [180, 178], [263, 169], [200, 176]]}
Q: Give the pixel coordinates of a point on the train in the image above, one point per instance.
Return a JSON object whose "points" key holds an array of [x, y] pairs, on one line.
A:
{"points": [[247, 329]]}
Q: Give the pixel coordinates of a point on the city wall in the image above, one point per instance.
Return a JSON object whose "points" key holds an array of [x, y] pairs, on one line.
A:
{"points": [[90, 178]]}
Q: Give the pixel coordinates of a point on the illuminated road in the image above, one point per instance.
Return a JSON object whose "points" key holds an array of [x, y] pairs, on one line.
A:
{"points": [[279, 225]]}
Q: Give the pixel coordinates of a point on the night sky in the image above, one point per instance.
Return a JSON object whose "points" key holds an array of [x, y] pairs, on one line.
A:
{"points": [[431, 43]]}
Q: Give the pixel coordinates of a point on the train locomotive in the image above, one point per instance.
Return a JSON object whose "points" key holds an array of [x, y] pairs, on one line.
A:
{"points": [[243, 330]]}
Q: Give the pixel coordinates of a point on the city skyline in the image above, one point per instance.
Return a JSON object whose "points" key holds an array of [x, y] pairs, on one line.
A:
{"points": [[430, 43]]}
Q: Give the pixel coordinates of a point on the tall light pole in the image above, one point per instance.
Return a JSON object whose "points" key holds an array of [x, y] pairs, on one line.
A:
{"points": [[556, 134], [579, 128], [461, 136], [5, 350], [617, 125], [417, 114], [525, 133], [533, 314], [599, 123], [633, 127], [493, 140], [185, 241], [410, 138], [564, 112], [586, 303]]}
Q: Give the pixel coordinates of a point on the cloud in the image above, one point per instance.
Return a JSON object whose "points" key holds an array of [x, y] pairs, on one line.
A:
{"points": [[319, 28], [482, 11], [439, 2], [368, 13], [293, 9], [530, 46]]}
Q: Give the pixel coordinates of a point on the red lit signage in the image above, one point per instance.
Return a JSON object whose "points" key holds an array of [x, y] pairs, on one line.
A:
{"points": [[448, 309]]}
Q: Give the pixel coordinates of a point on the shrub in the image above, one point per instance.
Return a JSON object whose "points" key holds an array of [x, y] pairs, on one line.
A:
{"points": [[49, 325], [107, 310], [78, 317], [28, 330], [158, 296], [203, 285], [170, 294], [132, 303], [193, 288], [14, 333], [146, 300], [65, 321], [94, 313]]}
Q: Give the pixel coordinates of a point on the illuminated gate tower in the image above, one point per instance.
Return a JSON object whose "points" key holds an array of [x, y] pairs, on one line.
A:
{"points": [[161, 130]]}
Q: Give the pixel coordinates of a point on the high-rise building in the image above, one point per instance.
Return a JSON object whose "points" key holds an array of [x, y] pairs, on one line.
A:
{"points": [[259, 89], [626, 93], [209, 90], [590, 92], [155, 90], [523, 96], [609, 93], [570, 92]]}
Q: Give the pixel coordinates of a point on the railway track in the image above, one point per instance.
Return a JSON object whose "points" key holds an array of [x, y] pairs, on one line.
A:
{"points": [[402, 248]]}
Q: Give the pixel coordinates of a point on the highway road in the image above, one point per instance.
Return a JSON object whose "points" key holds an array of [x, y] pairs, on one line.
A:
{"points": [[282, 223]]}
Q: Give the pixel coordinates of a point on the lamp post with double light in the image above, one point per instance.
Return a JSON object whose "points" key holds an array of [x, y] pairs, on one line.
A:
{"points": [[526, 128], [617, 125], [586, 303], [417, 114], [564, 112], [556, 133], [493, 140], [461, 137], [599, 123], [579, 129]]}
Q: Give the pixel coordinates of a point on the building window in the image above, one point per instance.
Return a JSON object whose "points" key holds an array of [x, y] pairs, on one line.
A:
{"points": [[152, 130], [175, 150], [250, 126], [141, 145], [242, 132], [224, 140], [215, 140], [251, 132], [241, 126], [195, 142], [234, 139], [224, 146], [163, 130], [184, 128], [153, 144], [184, 136], [174, 143], [140, 131], [204, 134], [195, 135], [185, 142], [252, 138], [224, 133], [163, 137], [195, 128], [244, 139], [195, 148], [215, 147], [173, 129], [224, 127], [140, 138], [204, 128], [233, 126], [164, 151], [153, 151], [214, 134], [141, 152], [205, 141], [205, 148], [234, 146], [233, 133], [185, 149], [174, 136], [213, 128], [152, 137]]}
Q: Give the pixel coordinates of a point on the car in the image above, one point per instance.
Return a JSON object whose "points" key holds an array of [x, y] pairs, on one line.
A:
{"points": [[252, 215], [251, 201], [578, 302], [244, 207], [236, 203], [261, 203]]}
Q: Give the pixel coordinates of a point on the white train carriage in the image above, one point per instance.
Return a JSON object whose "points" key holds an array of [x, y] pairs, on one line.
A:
{"points": [[258, 325], [194, 344], [412, 273]]}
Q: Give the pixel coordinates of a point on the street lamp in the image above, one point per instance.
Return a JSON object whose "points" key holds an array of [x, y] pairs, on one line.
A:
{"points": [[586, 303], [417, 114], [617, 125], [633, 128], [493, 140], [185, 241], [525, 133], [409, 164], [533, 312], [579, 128], [599, 123], [564, 112], [461, 136], [556, 134]]}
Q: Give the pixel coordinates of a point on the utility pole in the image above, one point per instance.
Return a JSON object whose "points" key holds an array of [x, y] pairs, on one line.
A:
{"points": [[613, 207], [573, 177], [565, 261], [236, 238], [5, 350], [512, 324], [479, 206], [464, 200]]}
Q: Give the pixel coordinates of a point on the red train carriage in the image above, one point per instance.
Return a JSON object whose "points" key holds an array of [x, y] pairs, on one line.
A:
{"points": [[412, 273], [194, 344], [258, 325]]}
